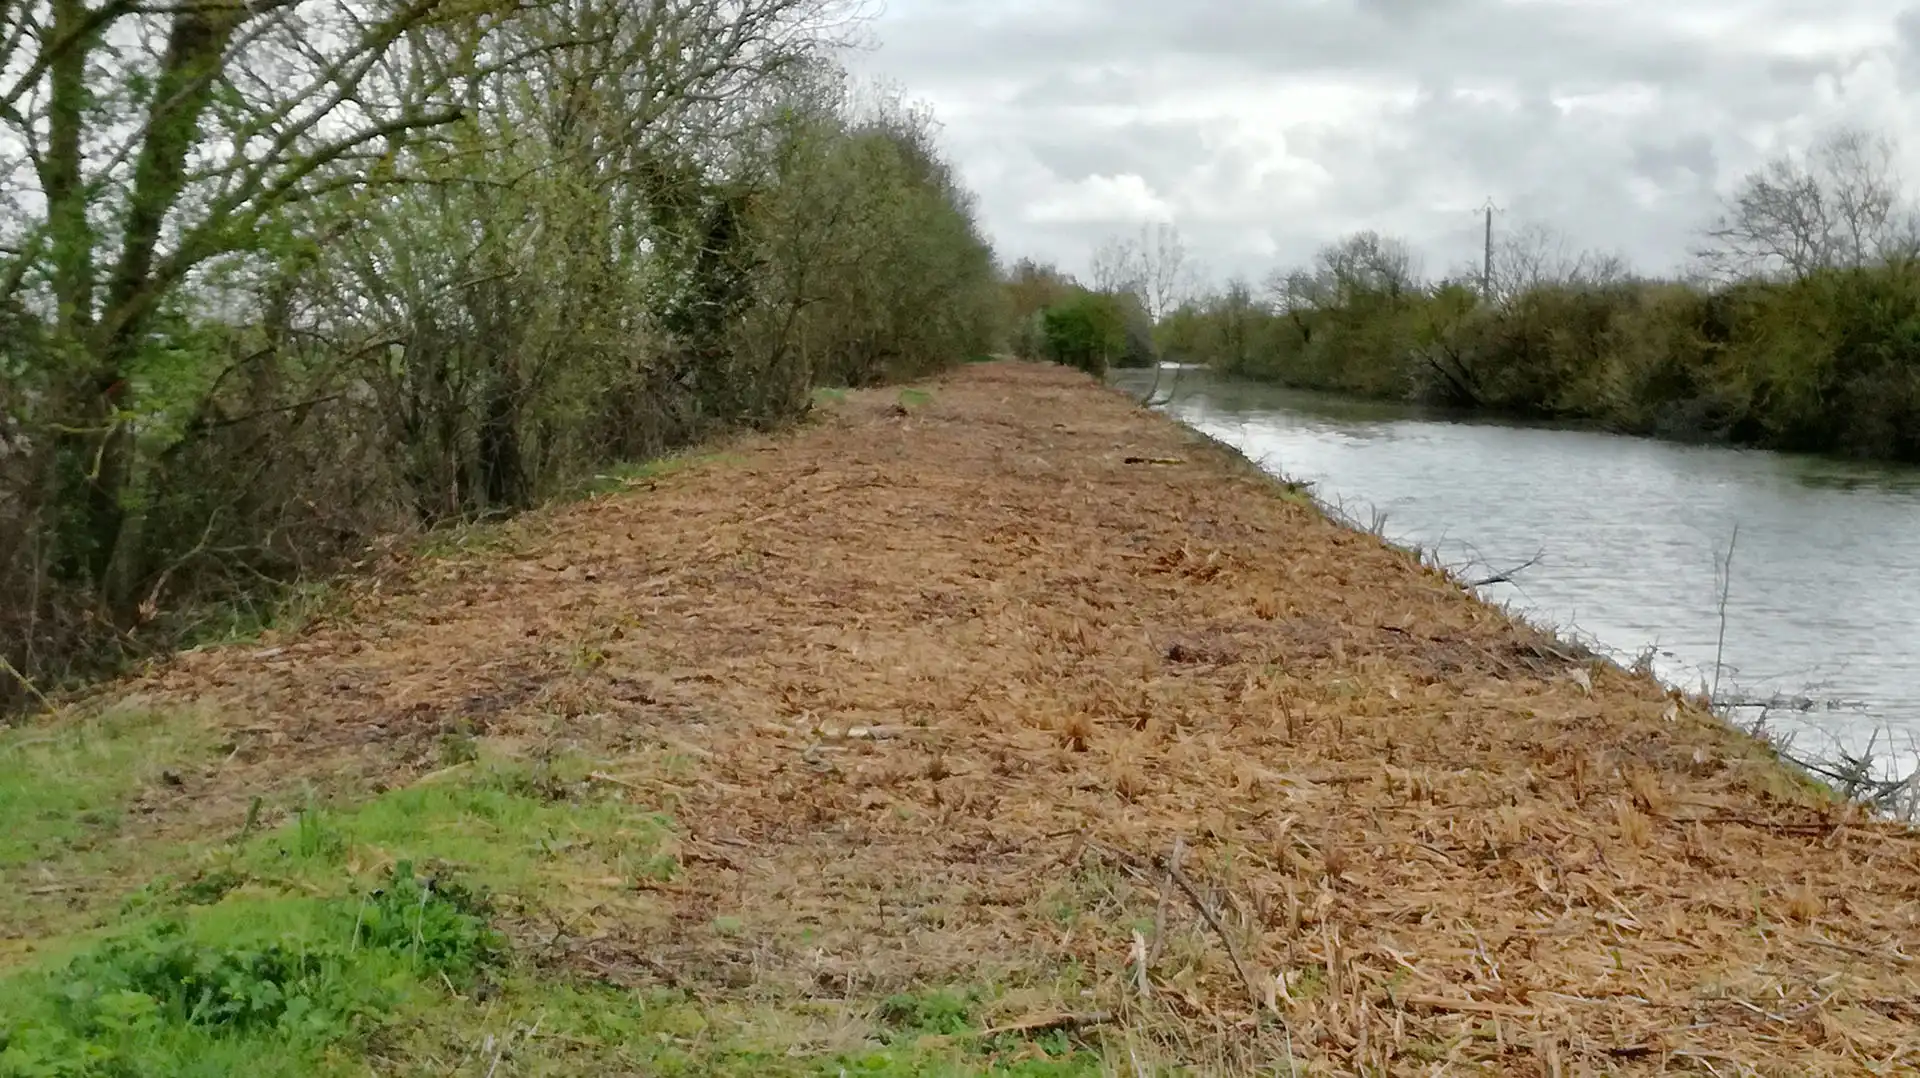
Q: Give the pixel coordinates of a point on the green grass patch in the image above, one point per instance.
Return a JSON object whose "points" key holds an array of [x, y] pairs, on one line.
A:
{"points": [[64, 787], [825, 395], [347, 935], [534, 829], [264, 986], [1307, 982], [915, 398], [939, 1012], [283, 953]]}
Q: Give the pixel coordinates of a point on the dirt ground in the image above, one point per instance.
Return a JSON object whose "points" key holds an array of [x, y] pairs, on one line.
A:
{"points": [[1022, 684]]}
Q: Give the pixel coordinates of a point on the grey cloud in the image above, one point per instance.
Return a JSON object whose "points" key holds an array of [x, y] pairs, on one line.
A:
{"points": [[1907, 29], [1405, 11], [1157, 152], [1086, 87], [1311, 36], [1677, 161], [1271, 127], [1797, 71]]}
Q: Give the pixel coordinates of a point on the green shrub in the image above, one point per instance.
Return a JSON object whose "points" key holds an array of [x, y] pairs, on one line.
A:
{"points": [[1088, 331]]}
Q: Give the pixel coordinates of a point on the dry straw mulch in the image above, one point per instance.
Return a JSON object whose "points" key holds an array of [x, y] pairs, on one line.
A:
{"points": [[955, 692]]}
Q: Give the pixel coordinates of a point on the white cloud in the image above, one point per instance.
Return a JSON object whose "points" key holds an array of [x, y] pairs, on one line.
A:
{"points": [[1100, 200]]}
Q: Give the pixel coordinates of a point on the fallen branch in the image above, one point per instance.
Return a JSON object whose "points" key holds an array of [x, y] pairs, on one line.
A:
{"points": [[1859, 952], [865, 733], [1137, 957], [1468, 1006], [26, 683], [1170, 866], [1892, 829], [1160, 910], [615, 780], [1213, 920], [1052, 1023], [1506, 576]]}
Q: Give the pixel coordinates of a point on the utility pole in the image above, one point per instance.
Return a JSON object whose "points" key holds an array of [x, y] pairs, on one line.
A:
{"points": [[1486, 264]]}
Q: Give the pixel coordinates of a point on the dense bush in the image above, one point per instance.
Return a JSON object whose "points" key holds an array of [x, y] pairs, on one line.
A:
{"points": [[1827, 362], [1088, 331], [495, 249]]}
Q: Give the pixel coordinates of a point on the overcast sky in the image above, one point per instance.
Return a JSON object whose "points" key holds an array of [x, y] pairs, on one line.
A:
{"points": [[1264, 128]]}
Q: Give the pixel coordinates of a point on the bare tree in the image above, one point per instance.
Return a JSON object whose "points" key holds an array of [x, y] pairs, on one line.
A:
{"points": [[1536, 255], [1115, 266], [1294, 291], [1165, 270], [1365, 263], [1153, 267], [1837, 205], [158, 138], [1295, 295]]}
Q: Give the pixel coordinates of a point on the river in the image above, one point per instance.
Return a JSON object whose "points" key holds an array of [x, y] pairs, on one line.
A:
{"points": [[1624, 541]]}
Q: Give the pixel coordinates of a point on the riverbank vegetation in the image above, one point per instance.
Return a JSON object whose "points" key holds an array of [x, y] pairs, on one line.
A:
{"points": [[280, 280], [1799, 331]]}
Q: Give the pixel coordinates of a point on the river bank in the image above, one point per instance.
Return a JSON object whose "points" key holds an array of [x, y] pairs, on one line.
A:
{"points": [[1000, 724], [1625, 542]]}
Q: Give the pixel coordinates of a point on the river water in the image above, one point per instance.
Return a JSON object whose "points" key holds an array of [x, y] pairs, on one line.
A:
{"points": [[1624, 541]]}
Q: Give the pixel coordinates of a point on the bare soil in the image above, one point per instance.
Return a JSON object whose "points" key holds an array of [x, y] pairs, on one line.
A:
{"points": [[953, 692]]}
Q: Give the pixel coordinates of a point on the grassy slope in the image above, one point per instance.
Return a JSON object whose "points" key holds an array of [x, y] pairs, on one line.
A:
{"points": [[862, 751], [541, 838]]}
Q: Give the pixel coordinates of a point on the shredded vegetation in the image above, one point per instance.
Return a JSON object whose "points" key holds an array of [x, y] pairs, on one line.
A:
{"points": [[1002, 727]]}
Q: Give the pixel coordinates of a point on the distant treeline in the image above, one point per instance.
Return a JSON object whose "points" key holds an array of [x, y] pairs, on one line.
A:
{"points": [[1801, 330]]}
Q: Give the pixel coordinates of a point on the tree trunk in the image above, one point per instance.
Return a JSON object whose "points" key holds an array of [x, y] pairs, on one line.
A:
{"points": [[60, 178], [195, 46], [502, 469]]}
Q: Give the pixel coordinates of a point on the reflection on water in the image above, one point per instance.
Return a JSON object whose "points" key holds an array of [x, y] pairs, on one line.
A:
{"points": [[1824, 595]]}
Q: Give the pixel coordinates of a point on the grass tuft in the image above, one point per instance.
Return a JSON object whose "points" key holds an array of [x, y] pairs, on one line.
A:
{"points": [[638, 473]]}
